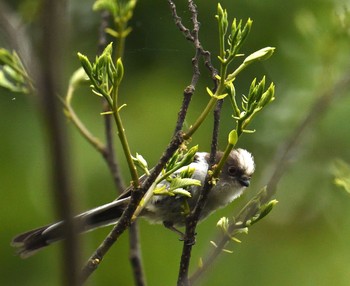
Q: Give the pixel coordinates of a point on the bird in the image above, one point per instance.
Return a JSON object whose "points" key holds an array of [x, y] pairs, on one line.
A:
{"points": [[167, 210]]}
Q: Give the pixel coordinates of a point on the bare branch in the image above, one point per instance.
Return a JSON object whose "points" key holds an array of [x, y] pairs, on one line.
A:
{"points": [[135, 255], [192, 220], [192, 36]]}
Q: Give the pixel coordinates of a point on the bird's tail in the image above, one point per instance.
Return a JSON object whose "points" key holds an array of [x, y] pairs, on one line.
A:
{"points": [[28, 243]]}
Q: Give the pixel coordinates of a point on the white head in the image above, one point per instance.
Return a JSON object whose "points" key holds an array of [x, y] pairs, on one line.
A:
{"points": [[245, 161], [234, 178], [239, 167]]}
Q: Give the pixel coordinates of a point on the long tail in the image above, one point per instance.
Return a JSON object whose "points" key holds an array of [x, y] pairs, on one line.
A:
{"points": [[28, 243]]}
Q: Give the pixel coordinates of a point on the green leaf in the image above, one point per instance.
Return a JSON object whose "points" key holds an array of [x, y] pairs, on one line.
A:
{"points": [[341, 172], [189, 156], [13, 74], [267, 208], [233, 137], [109, 5], [182, 192], [6, 57], [85, 64], [211, 94], [220, 96], [141, 162], [246, 30], [268, 96], [112, 32], [262, 211], [5, 83], [223, 223], [222, 18], [162, 191], [187, 172], [183, 183], [120, 71], [260, 55]]}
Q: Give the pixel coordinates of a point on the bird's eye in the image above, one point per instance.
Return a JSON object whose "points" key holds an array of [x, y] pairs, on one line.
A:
{"points": [[232, 171]]}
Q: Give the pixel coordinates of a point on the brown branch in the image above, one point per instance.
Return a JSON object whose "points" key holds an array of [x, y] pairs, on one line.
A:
{"points": [[188, 93], [192, 36], [49, 77], [193, 218], [135, 255]]}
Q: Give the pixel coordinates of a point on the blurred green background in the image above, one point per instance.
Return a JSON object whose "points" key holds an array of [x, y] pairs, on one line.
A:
{"points": [[304, 241]]}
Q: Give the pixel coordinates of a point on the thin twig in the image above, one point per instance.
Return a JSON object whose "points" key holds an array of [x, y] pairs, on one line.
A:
{"points": [[192, 220], [282, 161], [195, 33], [135, 255], [48, 82], [102, 35], [215, 136], [192, 36]]}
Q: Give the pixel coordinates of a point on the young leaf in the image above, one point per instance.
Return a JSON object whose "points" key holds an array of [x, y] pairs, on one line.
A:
{"points": [[260, 55]]}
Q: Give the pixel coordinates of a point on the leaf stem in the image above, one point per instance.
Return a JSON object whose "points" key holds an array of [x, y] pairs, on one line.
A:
{"points": [[217, 169], [120, 47], [123, 139], [201, 118], [211, 104], [70, 113]]}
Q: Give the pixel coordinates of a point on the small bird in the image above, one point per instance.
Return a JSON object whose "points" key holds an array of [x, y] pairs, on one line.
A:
{"points": [[169, 210]]}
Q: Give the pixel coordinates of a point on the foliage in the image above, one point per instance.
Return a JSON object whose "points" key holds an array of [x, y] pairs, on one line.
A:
{"points": [[13, 75]]}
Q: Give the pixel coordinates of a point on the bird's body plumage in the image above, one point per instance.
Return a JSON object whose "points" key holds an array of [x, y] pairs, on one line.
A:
{"points": [[169, 210]]}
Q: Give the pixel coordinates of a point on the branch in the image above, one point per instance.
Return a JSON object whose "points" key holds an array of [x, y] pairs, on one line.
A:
{"points": [[188, 93], [192, 220], [192, 36], [135, 255]]}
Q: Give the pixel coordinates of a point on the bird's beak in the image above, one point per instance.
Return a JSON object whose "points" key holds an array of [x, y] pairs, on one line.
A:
{"points": [[244, 181]]}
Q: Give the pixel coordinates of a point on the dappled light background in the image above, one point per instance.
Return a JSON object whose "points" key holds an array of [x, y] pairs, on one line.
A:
{"points": [[304, 241]]}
